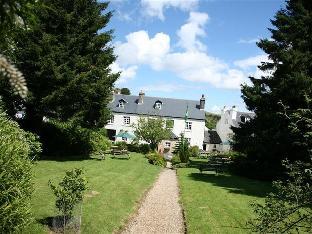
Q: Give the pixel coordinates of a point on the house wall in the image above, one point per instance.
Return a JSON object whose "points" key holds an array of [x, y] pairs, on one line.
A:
{"points": [[196, 134], [224, 125]]}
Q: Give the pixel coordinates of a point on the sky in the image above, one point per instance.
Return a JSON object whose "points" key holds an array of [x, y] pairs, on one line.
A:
{"points": [[186, 48]]}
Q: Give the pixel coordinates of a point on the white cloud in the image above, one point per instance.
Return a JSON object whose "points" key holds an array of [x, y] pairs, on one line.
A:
{"points": [[248, 41], [126, 73], [251, 61], [140, 49], [155, 8], [192, 64], [215, 109], [189, 32]]}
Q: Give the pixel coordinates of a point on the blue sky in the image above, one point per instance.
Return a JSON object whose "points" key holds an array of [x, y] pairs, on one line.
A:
{"points": [[185, 48]]}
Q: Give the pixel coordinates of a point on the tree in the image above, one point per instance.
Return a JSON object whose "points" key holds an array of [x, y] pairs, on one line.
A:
{"points": [[65, 58], [152, 130], [69, 192], [211, 120], [125, 91], [266, 139]]}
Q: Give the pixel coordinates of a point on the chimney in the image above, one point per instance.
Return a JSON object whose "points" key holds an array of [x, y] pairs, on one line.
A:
{"points": [[202, 103], [233, 112], [141, 97]]}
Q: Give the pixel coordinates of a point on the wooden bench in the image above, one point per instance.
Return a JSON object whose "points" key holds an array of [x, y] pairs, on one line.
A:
{"points": [[121, 154], [216, 164]]}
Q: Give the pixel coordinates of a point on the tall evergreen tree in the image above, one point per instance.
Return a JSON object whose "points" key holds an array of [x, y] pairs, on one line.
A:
{"points": [[266, 139], [65, 58]]}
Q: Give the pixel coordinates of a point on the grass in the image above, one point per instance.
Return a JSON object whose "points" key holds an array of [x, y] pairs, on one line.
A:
{"points": [[218, 203], [120, 184]]}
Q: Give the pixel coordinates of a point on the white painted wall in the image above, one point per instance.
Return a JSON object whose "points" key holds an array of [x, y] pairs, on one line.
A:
{"points": [[196, 134]]}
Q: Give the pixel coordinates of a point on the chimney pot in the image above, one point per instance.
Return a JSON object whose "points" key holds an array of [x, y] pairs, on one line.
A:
{"points": [[202, 102]]}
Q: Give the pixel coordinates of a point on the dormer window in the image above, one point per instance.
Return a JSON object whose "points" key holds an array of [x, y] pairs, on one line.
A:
{"points": [[158, 105], [121, 103]]}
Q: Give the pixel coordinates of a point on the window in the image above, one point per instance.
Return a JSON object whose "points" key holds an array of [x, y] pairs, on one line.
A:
{"points": [[126, 120], [169, 123], [167, 144], [111, 120], [243, 119], [188, 125], [158, 105], [188, 139], [121, 104], [124, 138]]}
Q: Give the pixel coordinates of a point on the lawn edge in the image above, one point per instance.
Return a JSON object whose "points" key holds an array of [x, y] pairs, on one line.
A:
{"points": [[181, 202], [137, 206]]}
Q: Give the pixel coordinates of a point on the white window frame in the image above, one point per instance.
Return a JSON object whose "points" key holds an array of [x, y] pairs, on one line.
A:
{"points": [[188, 125], [188, 139], [124, 138], [126, 120], [121, 104], [167, 144], [158, 105], [111, 120]]}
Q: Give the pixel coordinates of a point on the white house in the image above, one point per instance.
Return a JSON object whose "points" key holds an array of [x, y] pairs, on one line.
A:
{"points": [[230, 117], [127, 109]]}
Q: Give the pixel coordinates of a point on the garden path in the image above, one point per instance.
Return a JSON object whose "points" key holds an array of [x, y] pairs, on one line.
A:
{"points": [[160, 211]]}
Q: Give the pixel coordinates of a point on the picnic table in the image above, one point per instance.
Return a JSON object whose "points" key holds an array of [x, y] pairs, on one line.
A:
{"points": [[215, 163], [120, 153]]}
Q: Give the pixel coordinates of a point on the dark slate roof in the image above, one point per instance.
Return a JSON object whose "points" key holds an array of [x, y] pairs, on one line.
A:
{"points": [[239, 116], [174, 108], [212, 137]]}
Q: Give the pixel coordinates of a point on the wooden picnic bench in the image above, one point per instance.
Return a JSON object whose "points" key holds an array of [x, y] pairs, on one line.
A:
{"points": [[120, 153], [215, 163]]}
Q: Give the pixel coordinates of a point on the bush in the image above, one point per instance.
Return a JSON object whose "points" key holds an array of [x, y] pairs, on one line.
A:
{"points": [[99, 141], [69, 192], [182, 150], [144, 148], [194, 151], [156, 159], [15, 175], [34, 144], [175, 160]]}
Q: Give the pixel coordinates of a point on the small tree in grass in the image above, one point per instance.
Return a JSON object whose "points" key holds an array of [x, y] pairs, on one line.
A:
{"points": [[183, 149], [152, 130], [69, 193]]}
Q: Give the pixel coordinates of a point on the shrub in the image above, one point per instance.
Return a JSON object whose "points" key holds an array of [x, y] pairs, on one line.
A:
{"points": [[175, 159], [121, 145], [194, 151], [133, 147], [60, 138], [156, 159], [15, 176], [144, 148], [182, 150], [69, 192], [34, 145], [99, 141]]}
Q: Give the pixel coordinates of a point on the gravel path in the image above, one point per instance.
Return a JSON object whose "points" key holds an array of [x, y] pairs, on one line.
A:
{"points": [[160, 211]]}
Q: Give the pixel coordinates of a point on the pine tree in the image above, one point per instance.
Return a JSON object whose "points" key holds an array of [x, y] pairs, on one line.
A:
{"points": [[267, 140], [65, 58]]}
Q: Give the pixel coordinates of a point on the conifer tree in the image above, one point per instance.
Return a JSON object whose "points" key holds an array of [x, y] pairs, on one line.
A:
{"points": [[266, 139], [65, 58]]}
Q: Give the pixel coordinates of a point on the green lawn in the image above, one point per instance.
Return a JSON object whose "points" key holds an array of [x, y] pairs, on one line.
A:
{"points": [[218, 203], [120, 184]]}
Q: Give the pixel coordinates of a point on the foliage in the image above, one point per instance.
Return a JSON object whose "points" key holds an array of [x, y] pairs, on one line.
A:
{"points": [[194, 151], [156, 159], [15, 176], [289, 208], [99, 141], [266, 139], [169, 123], [65, 58], [211, 120], [69, 192], [139, 148], [125, 91], [121, 145], [175, 160], [35, 145], [152, 130], [182, 149]]}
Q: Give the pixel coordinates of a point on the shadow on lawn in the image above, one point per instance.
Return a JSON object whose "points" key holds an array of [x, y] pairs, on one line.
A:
{"points": [[235, 184]]}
